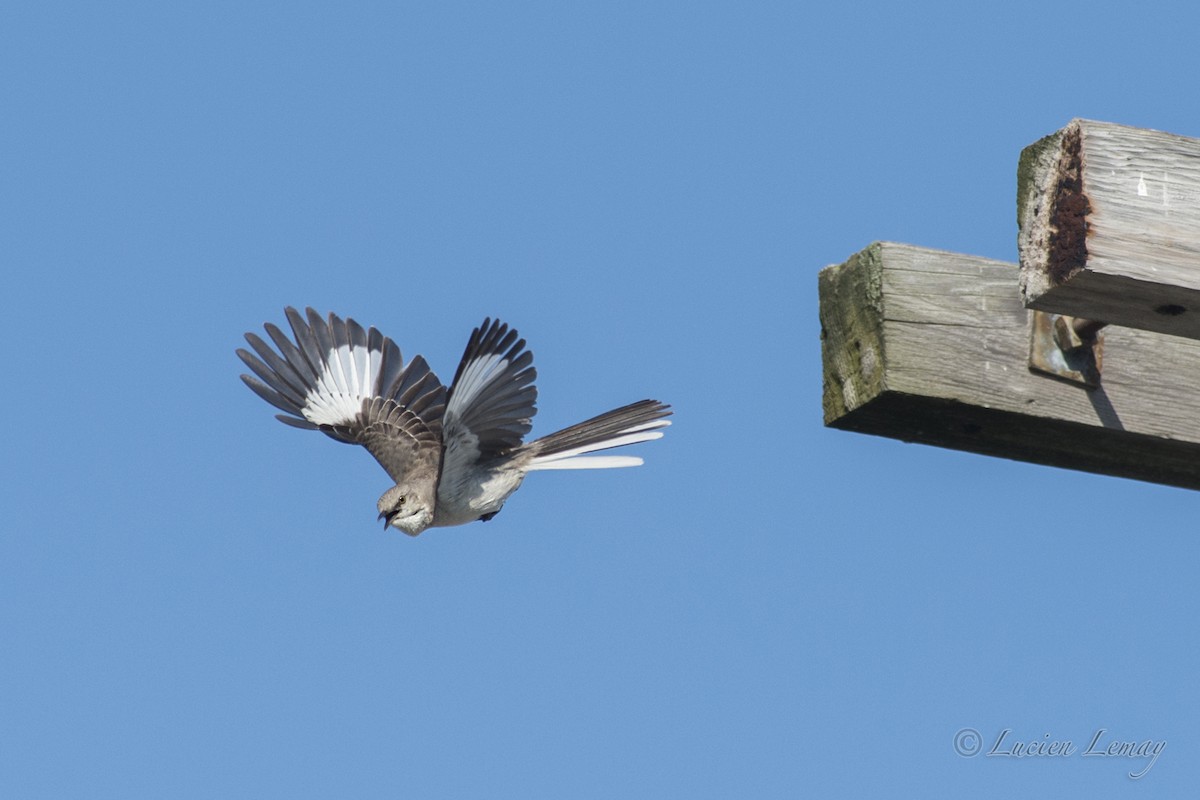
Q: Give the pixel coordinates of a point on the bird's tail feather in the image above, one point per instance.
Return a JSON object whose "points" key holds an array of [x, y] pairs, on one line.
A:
{"points": [[568, 448]]}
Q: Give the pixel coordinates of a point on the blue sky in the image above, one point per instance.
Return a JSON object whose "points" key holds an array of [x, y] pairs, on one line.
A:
{"points": [[196, 601]]}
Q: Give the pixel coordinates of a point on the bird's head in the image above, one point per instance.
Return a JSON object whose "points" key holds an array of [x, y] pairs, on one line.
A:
{"points": [[406, 508]]}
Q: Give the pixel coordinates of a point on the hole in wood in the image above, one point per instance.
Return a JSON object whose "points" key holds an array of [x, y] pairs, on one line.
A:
{"points": [[1170, 310]]}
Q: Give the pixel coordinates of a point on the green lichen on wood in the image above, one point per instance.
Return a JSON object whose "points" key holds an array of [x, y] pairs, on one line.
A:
{"points": [[1031, 168], [852, 347]]}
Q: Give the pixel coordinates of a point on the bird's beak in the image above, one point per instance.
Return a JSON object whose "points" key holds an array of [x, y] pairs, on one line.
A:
{"points": [[386, 520]]}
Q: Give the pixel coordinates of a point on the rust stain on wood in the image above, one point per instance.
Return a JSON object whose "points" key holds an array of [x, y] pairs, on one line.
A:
{"points": [[1068, 217]]}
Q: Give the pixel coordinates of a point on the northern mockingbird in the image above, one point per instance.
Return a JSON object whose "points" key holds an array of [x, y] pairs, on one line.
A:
{"points": [[455, 454]]}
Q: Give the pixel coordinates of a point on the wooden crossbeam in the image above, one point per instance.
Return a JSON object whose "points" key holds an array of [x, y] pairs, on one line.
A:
{"points": [[933, 347], [1109, 222]]}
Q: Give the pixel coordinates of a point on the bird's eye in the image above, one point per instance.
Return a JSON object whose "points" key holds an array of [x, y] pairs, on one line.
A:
{"points": [[400, 503]]}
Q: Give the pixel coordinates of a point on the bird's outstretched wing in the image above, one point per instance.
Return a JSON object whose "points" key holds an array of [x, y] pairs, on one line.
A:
{"points": [[493, 398], [491, 401], [353, 385]]}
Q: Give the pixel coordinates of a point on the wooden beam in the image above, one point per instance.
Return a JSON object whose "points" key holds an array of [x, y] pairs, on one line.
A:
{"points": [[1109, 222], [933, 347]]}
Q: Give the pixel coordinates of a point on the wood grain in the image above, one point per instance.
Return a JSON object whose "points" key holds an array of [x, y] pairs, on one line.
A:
{"points": [[933, 347]]}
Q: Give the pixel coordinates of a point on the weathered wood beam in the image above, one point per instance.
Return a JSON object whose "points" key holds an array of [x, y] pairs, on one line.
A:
{"points": [[933, 347], [1109, 222]]}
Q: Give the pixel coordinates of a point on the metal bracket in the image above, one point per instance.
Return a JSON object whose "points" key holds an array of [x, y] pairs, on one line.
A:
{"points": [[1066, 348]]}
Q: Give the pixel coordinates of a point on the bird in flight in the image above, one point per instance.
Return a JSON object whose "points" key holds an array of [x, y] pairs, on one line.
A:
{"points": [[456, 454]]}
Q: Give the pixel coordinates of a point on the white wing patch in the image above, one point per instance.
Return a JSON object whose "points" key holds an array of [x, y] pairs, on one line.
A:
{"points": [[345, 381], [475, 378]]}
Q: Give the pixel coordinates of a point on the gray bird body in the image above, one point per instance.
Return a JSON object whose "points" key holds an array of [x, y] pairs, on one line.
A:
{"points": [[455, 454]]}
